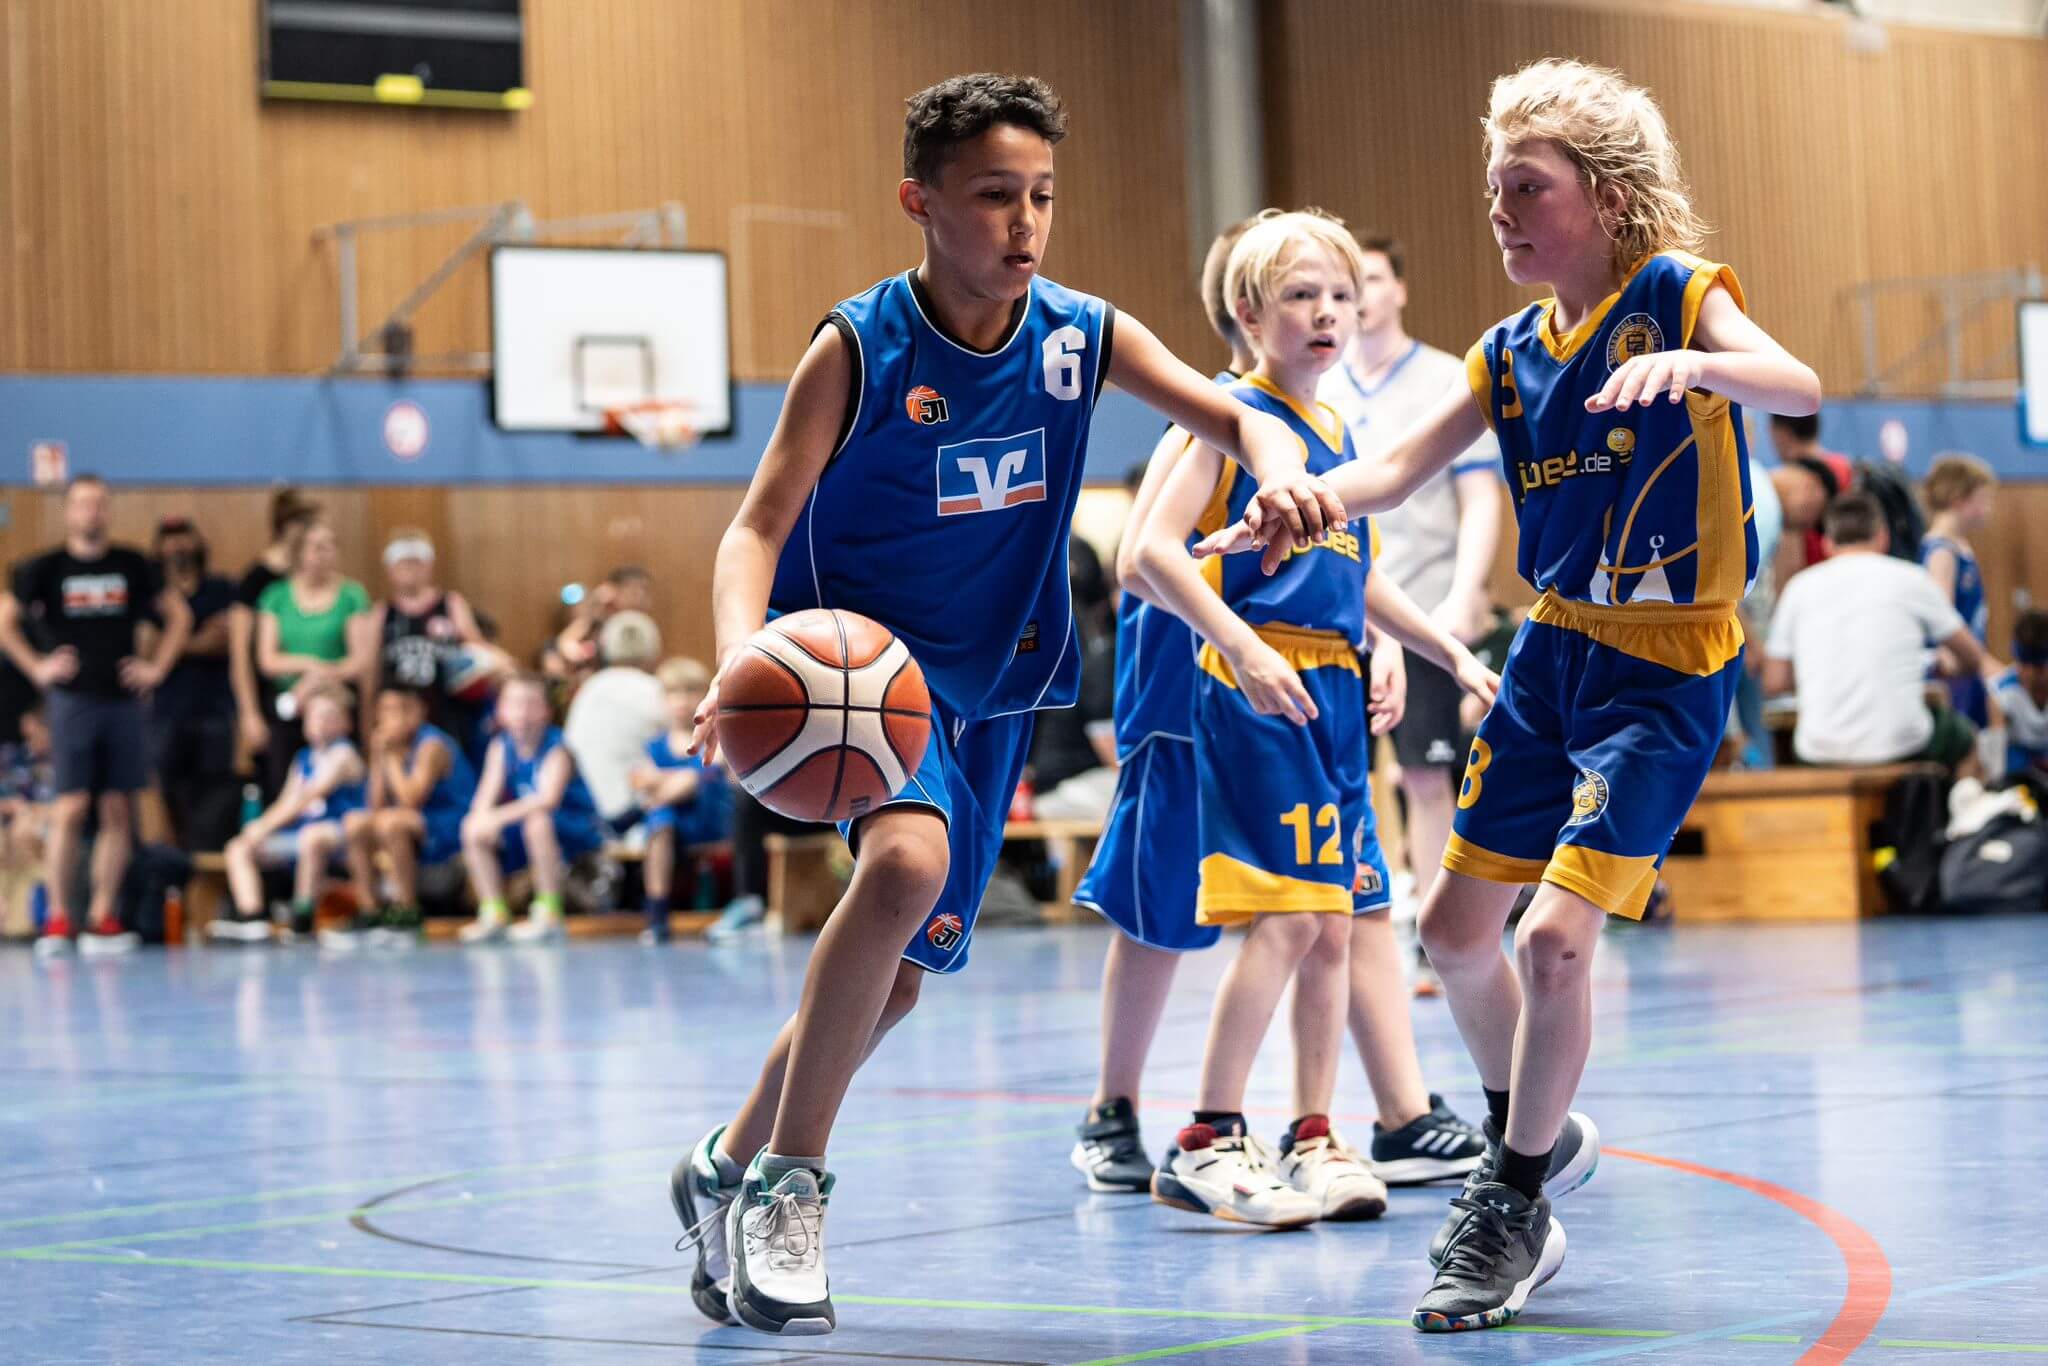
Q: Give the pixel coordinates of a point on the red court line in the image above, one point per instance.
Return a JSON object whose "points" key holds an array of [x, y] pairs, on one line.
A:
{"points": [[1864, 1299], [1869, 1291]]}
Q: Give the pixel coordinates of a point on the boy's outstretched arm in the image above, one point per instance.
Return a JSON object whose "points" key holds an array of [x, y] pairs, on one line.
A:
{"points": [[797, 454], [1141, 366], [1735, 358]]}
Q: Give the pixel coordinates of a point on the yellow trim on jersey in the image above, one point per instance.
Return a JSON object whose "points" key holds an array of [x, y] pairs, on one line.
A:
{"points": [[1616, 883], [1692, 638], [1372, 539], [1302, 649], [1324, 421], [1463, 856], [1705, 275], [1215, 514], [1565, 347], [1480, 376], [1233, 891], [1722, 574]]}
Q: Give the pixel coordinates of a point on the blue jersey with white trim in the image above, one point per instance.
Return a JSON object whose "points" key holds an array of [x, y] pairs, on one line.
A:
{"points": [[1321, 588], [1155, 660], [1651, 505], [944, 513], [522, 774], [1970, 602]]}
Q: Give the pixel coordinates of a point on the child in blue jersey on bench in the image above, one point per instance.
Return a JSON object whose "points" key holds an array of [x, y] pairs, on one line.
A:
{"points": [[531, 807], [303, 827], [421, 785], [686, 801]]}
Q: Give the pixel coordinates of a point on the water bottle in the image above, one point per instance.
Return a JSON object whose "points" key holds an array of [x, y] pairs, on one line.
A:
{"points": [[252, 804], [39, 906], [174, 915]]}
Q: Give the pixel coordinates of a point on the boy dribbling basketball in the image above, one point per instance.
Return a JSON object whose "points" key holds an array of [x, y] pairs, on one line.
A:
{"points": [[923, 473]]}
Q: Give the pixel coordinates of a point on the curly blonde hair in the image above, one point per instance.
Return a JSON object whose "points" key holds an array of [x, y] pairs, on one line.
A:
{"points": [[1615, 134], [1275, 241]]}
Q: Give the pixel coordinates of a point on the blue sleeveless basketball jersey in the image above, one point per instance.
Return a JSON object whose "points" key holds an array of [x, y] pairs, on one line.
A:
{"points": [[945, 511], [450, 798], [337, 803], [1970, 602], [1319, 589], [1646, 506], [522, 776], [1155, 660]]}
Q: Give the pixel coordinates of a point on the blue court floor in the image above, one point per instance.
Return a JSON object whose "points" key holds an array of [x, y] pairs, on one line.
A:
{"points": [[1819, 1140]]}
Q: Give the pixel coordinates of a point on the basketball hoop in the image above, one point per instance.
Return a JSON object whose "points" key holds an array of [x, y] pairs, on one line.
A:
{"points": [[668, 424]]}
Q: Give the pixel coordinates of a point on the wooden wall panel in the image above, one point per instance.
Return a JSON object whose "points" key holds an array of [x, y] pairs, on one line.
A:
{"points": [[1820, 166], [160, 216]]}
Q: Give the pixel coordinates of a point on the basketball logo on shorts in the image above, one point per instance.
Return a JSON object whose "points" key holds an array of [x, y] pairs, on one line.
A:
{"points": [[1589, 798], [1365, 879], [946, 930], [926, 406], [1635, 335]]}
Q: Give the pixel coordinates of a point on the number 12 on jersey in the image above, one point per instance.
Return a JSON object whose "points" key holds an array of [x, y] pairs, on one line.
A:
{"points": [[1326, 817]]}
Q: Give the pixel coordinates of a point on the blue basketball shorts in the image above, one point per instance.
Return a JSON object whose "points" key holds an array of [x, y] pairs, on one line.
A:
{"points": [[1145, 872], [968, 776], [577, 835], [1286, 818], [1586, 765]]}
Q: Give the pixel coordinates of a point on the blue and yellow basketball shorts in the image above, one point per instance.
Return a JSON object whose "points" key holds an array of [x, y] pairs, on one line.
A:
{"points": [[1146, 868], [1585, 767], [1286, 811], [968, 776]]}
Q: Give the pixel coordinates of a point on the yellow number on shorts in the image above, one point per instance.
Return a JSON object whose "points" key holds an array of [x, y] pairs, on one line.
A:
{"points": [[1297, 820], [1474, 784]]}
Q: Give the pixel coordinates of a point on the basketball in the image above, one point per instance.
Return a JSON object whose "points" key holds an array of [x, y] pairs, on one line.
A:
{"points": [[823, 715]]}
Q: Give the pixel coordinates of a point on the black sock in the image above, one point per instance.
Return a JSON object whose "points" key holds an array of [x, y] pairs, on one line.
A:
{"points": [[656, 908], [1228, 1123], [1523, 1171], [1497, 1108]]}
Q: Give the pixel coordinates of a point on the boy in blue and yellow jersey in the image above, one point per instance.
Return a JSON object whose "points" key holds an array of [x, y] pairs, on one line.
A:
{"points": [[531, 808], [421, 785], [1285, 829], [303, 827], [1614, 403], [924, 473], [1958, 491]]}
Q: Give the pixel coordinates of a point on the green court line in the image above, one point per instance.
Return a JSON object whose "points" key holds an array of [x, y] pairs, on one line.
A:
{"points": [[1211, 1345], [392, 1182], [493, 1198], [156, 1095]]}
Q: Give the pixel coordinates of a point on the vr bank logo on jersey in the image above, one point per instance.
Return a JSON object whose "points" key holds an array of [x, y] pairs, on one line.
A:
{"points": [[992, 473]]}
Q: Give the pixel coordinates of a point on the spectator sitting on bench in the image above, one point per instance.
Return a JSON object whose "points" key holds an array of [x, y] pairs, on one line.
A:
{"points": [[685, 802], [303, 827], [28, 789], [531, 806], [1850, 636], [2021, 694], [421, 786]]}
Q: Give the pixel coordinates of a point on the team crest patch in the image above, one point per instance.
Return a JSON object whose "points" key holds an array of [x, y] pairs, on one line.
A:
{"points": [[926, 406], [945, 931], [1635, 335], [1589, 798]]}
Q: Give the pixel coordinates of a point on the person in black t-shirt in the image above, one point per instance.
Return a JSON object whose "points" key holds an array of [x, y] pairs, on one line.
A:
{"points": [[85, 601], [192, 715]]}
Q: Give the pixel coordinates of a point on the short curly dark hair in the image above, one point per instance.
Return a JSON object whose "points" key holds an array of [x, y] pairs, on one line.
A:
{"points": [[960, 108]]}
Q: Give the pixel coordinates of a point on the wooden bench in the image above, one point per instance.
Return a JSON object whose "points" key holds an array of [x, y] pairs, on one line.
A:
{"points": [[804, 881], [1783, 844]]}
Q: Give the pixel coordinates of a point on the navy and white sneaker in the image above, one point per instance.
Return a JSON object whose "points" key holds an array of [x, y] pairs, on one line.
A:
{"points": [[701, 1201], [1434, 1147], [1572, 1164], [1109, 1151], [1505, 1247], [777, 1237]]}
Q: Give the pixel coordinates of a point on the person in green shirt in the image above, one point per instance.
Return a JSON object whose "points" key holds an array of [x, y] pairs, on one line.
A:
{"points": [[313, 629]]}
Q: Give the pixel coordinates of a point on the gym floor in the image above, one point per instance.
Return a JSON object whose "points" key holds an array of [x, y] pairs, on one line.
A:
{"points": [[1818, 1142]]}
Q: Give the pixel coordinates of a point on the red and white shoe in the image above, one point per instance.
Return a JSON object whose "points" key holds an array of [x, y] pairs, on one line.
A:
{"points": [[55, 940], [1229, 1176], [107, 940]]}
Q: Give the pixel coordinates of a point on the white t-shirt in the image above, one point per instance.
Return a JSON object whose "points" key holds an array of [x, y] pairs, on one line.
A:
{"points": [[1419, 539], [611, 720], [1857, 629]]}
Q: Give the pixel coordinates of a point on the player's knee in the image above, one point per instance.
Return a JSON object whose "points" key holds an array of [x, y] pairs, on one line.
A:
{"points": [[477, 833], [903, 994], [1450, 938], [907, 864], [1333, 939], [1291, 934], [71, 808], [1550, 950], [114, 808], [356, 824]]}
